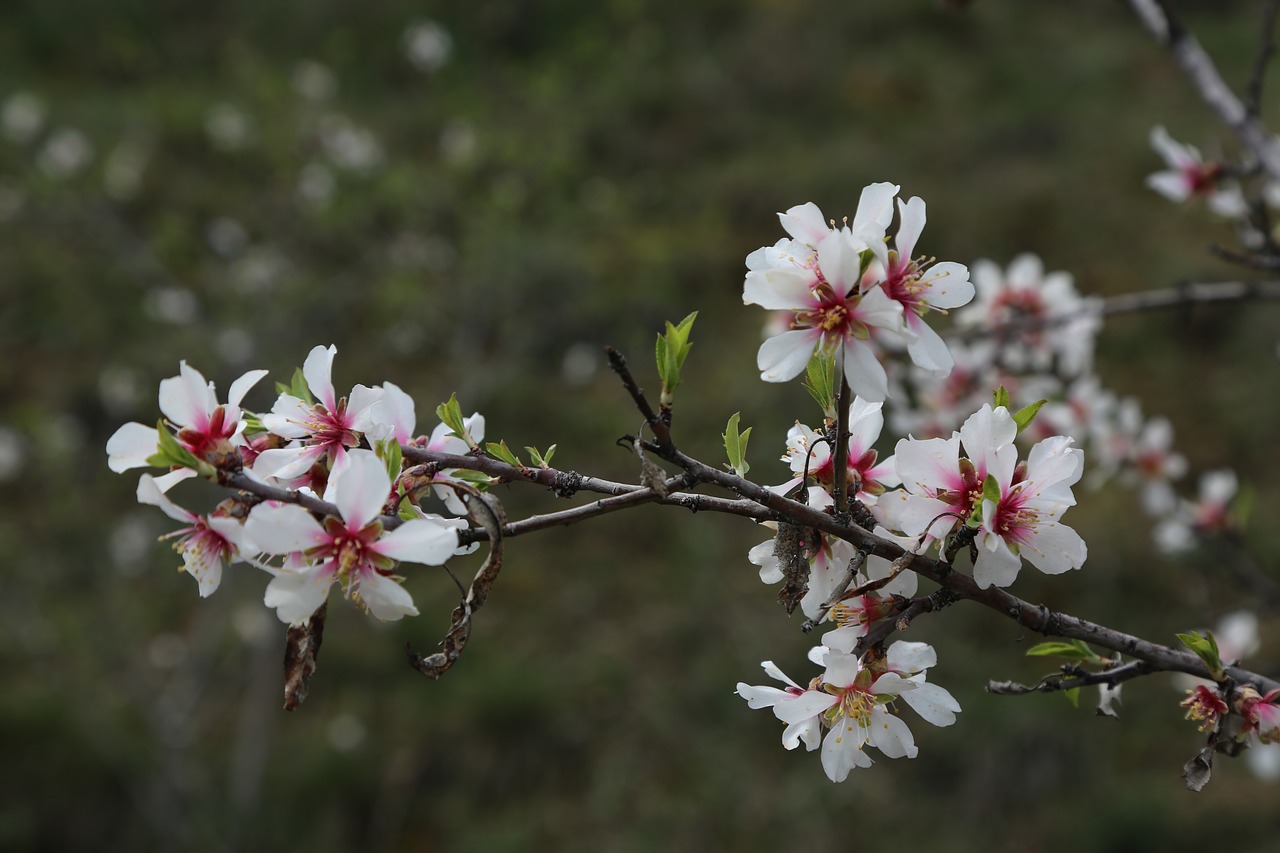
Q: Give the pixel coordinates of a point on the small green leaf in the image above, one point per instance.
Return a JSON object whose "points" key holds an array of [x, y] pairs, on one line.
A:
{"points": [[670, 352], [406, 510], [479, 479], [499, 450], [1073, 696], [820, 381], [1002, 397], [297, 387], [1024, 416], [1206, 648], [1071, 650], [542, 461], [450, 414], [735, 446]]}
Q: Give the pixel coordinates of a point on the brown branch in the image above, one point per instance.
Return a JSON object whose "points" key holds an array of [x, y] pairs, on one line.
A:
{"points": [[1189, 293], [659, 427], [839, 497], [1073, 677], [1200, 69]]}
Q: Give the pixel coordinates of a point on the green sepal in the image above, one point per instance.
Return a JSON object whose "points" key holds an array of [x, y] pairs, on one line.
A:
{"points": [[450, 414], [542, 460], [1073, 696], [406, 509], [820, 381], [499, 450], [297, 387], [1071, 650], [735, 445], [671, 350], [1024, 416], [170, 454], [1206, 648]]}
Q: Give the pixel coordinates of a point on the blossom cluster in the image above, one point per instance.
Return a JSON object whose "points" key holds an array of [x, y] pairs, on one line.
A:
{"points": [[316, 443]]}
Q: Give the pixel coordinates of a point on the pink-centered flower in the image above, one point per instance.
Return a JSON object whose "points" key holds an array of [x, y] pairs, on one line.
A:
{"points": [[318, 431], [354, 550], [1189, 175], [921, 286], [210, 430], [853, 701], [1025, 520], [823, 293], [205, 543], [867, 476], [940, 488], [1261, 714]]}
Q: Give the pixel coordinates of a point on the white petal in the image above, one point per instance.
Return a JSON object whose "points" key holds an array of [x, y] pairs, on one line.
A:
{"points": [[911, 221], [805, 222], [360, 486], [928, 350], [285, 463], [283, 528], [809, 731], [771, 670], [149, 492], [910, 657], [386, 599], [242, 385], [295, 595], [187, 399], [890, 735], [949, 285], [1054, 548], [838, 261], [841, 752], [996, 564], [396, 412], [777, 290], [419, 541], [785, 356], [761, 696], [808, 704], [131, 446], [864, 371], [934, 704], [318, 371]]}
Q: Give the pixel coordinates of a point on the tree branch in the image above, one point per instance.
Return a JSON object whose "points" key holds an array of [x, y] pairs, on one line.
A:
{"points": [[1204, 76]]}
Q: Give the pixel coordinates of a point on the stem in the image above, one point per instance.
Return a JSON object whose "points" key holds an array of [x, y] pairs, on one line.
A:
{"points": [[841, 450]]}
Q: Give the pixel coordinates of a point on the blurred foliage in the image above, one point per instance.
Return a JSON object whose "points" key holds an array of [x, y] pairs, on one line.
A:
{"points": [[475, 197]]}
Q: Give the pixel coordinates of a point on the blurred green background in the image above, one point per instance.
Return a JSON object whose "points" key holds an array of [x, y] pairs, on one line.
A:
{"points": [[475, 197]]}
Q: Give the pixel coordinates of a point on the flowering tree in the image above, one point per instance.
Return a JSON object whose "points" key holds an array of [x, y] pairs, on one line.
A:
{"points": [[1002, 427]]}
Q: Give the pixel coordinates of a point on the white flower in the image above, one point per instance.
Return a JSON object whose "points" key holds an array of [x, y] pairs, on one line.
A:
{"points": [[354, 550], [1188, 175], [853, 700], [817, 279], [867, 477], [189, 402], [321, 430], [920, 286], [205, 543]]}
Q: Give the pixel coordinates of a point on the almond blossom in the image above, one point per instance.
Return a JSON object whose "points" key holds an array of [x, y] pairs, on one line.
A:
{"points": [[1189, 175], [818, 280], [867, 477], [206, 542], [853, 699], [1026, 294], [354, 550], [211, 431], [920, 286], [318, 431]]}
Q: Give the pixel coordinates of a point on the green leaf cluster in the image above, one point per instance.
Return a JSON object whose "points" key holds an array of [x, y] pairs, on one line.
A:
{"points": [[1205, 647]]}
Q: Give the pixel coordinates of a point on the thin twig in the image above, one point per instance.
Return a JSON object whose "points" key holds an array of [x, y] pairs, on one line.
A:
{"points": [[1190, 293], [1074, 678], [1266, 49], [1204, 75], [659, 427], [839, 489]]}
